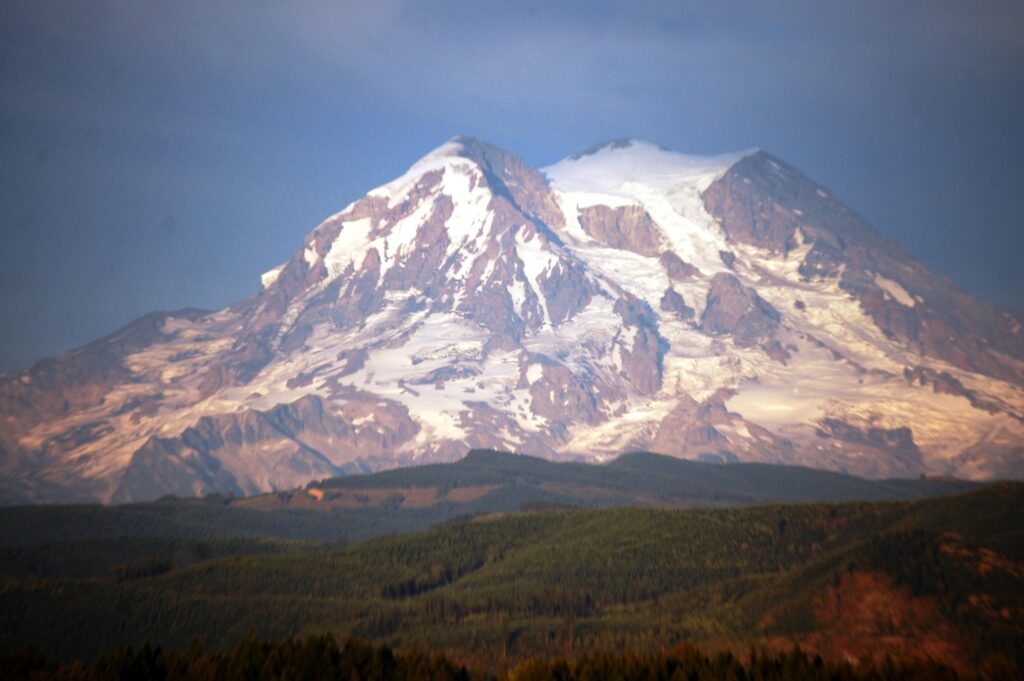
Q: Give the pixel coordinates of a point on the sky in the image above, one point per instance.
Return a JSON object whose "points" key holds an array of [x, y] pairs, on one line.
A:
{"points": [[160, 155]]}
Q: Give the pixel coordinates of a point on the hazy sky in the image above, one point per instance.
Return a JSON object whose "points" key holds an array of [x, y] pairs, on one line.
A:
{"points": [[158, 155]]}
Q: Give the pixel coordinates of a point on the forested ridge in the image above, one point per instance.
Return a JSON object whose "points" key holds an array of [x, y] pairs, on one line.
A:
{"points": [[419, 497], [940, 578]]}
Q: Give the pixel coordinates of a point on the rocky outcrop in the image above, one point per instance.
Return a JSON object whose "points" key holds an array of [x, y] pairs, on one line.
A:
{"points": [[420, 266], [676, 268], [672, 302], [944, 382], [562, 397], [290, 444], [509, 177], [626, 227], [736, 310], [494, 267], [566, 289], [941, 321], [902, 456], [688, 431], [764, 202], [641, 347], [82, 378], [485, 424]]}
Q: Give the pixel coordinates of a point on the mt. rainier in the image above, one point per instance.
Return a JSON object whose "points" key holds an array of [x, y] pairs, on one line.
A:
{"points": [[724, 308]]}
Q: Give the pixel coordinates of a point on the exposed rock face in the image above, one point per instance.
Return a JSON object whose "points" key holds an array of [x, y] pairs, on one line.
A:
{"points": [[672, 302], [53, 388], [465, 304], [897, 443], [510, 177], [737, 310], [642, 347], [676, 268], [562, 397], [689, 430], [764, 202], [297, 441], [756, 203], [946, 383], [626, 227], [566, 291]]}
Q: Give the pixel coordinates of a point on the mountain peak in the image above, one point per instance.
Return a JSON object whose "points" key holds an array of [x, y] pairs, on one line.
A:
{"points": [[613, 144], [479, 151], [498, 166], [717, 307], [606, 167]]}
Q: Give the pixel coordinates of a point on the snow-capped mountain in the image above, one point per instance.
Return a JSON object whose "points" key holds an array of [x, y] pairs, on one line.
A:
{"points": [[628, 297]]}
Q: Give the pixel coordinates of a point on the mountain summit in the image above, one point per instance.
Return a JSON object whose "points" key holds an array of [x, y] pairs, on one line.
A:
{"points": [[628, 297]]}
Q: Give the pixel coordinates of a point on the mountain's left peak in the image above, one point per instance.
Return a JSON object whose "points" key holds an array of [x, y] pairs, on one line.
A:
{"points": [[468, 147]]}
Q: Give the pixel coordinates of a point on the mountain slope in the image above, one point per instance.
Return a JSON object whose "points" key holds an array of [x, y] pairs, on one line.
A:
{"points": [[724, 308]]}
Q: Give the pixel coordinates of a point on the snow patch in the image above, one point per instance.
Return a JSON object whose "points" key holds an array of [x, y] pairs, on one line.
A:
{"points": [[897, 292], [609, 169], [446, 156], [666, 184], [517, 292], [350, 242], [268, 278], [310, 256], [534, 373], [537, 259]]}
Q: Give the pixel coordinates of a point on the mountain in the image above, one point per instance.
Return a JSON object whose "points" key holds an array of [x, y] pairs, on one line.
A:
{"points": [[722, 308], [940, 578]]}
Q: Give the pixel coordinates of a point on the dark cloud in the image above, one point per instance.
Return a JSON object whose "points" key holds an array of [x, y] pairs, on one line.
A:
{"points": [[249, 122]]}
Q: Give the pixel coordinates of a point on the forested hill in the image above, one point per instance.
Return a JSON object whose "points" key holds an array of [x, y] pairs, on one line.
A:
{"points": [[416, 498], [941, 578]]}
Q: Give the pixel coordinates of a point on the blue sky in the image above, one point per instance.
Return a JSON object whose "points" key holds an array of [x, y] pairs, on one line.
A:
{"points": [[158, 155]]}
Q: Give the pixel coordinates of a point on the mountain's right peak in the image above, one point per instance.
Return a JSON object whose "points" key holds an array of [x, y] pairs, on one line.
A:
{"points": [[633, 146], [607, 167], [612, 145]]}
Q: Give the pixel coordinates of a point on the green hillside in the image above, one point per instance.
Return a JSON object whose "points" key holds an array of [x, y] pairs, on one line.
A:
{"points": [[941, 577]]}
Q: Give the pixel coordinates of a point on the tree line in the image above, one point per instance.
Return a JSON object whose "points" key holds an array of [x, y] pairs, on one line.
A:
{"points": [[322, 658]]}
